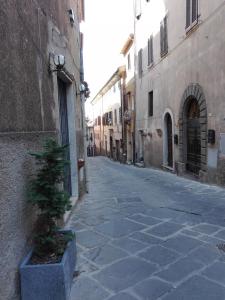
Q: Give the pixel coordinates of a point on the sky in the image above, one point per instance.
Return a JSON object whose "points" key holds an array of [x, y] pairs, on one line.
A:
{"points": [[107, 25]]}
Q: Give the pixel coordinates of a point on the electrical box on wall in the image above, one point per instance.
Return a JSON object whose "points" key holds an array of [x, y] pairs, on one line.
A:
{"points": [[211, 136]]}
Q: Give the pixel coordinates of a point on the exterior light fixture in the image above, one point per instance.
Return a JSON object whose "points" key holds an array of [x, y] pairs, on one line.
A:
{"points": [[84, 89], [58, 60]]}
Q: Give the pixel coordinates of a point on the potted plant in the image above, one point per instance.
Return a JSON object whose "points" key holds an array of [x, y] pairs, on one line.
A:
{"points": [[47, 271]]}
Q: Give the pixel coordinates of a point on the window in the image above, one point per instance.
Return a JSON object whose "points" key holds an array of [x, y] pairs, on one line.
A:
{"points": [[140, 69], [120, 115], [114, 88], [128, 62], [150, 104], [110, 118], [191, 13], [164, 37], [99, 120], [150, 51], [115, 116]]}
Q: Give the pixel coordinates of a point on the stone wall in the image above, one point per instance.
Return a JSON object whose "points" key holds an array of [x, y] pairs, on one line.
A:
{"points": [[29, 31]]}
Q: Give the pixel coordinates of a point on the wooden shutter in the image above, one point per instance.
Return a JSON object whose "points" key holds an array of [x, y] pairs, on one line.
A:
{"points": [[149, 60], [151, 49], [165, 36], [188, 13], [194, 10], [161, 38]]}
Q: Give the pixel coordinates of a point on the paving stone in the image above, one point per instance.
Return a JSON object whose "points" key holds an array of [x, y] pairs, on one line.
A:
{"points": [[206, 228], [84, 266], [145, 219], [119, 228], [190, 232], [152, 289], [221, 235], [197, 288], [90, 239], [165, 229], [159, 255], [104, 255], [182, 244], [122, 296], [125, 273], [94, 291], [130, 245], [205, 254], [129, 200], [216, 272], [179, 270], [77, 226], [145, 238]]}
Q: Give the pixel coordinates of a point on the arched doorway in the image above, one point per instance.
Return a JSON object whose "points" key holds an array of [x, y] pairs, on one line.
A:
{"points": [[193, 131], [193, 137], [168, 141]]}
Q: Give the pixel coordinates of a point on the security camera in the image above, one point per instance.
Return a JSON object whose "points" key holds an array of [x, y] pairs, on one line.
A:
{"points": [[71, 15]]}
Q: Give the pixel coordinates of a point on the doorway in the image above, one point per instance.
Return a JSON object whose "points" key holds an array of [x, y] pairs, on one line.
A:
{"points": [[64, 132], [193, 137], [168, 140]]}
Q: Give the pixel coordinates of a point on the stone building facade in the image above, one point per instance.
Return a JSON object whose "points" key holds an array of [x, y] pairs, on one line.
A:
{"points": [[180, 86], [38, 100], [107, 112], [128, 101]]}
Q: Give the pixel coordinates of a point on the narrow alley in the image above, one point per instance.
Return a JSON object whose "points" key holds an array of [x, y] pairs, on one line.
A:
{"points": [[146, 234]]}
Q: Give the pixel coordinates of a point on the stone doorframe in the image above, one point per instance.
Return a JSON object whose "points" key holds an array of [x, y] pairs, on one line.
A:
{"points": [[193, 91]]}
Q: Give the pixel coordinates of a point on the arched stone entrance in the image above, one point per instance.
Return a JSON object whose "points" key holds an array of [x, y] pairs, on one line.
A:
{"points": [[193, 130]]}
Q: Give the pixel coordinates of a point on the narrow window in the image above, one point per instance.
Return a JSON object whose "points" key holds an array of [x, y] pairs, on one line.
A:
{"points": [[150, 50], [115, 116], [128, 62], [140, 69], [163, 37], [120, 115], [150, 104], [191, 13]]}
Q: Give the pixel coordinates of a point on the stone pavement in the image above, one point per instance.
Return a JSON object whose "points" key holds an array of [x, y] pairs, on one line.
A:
{"points": [[146, 234]]}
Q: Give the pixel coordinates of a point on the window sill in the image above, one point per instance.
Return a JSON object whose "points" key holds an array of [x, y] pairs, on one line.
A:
{"points": [[150, 66], [192, 28]]}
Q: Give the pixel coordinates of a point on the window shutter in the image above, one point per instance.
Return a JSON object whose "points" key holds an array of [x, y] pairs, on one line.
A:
{"points": [[140, 62], [161, 38], [194, 10], [188, 13], [165, 36], [151, 49], [149, 54]]}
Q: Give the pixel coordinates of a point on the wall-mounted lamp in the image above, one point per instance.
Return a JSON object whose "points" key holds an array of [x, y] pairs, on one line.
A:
{"points": [[59, 62], [71, 16], [84, 89]]}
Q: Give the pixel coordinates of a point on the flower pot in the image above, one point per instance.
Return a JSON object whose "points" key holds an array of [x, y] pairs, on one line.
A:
{"points": [[48, 281]]}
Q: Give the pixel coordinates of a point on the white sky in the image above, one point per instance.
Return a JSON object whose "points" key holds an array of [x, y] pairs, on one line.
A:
{"points": [[108, 24]]}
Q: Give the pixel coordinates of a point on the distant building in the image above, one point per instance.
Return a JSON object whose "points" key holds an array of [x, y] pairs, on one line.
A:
{"points": [[180, 86], [128, 103], [40, 98], [108, 117]]}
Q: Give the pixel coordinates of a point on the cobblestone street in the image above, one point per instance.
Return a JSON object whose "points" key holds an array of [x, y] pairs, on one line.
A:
{"points": [[146, 234]]}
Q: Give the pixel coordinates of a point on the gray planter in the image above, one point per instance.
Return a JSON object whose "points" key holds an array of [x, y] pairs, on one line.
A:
{"points": [[50, 281]]}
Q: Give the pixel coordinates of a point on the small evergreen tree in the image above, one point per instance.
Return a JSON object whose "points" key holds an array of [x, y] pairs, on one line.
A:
{"points": [[45, 192]]}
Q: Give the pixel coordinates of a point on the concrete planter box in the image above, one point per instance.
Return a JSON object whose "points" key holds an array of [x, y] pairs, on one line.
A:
{"points": [[50, 281]]}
